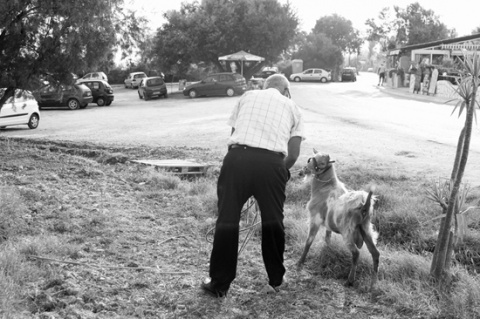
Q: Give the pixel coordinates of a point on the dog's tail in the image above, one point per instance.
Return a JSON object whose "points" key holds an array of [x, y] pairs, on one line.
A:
{"points": [[368, 203]]}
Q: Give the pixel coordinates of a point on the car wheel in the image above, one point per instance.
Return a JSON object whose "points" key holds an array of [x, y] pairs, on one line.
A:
{"points": [[145, 97], [323, 80], [108, 103], [297, 79], [140, 96], [131, 86], [73, 104], [100, 101], [165, 95], [83, 106], [126, 86], [192, 94], [40, 106], [33, 121], [230, 92]]}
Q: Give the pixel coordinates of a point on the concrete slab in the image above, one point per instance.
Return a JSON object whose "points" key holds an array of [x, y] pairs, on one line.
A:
{"points": [[181, 167]]}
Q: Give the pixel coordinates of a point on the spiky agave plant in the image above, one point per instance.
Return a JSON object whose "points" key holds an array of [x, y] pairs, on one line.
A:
{"points": [[467, 101]]}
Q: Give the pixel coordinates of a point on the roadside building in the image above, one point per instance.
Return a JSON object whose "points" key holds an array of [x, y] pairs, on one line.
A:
{"points": [[404, 61], [433, 53]]}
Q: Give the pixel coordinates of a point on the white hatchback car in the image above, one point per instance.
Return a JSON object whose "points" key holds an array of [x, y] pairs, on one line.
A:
{"points": [[133, 80], [93, 76], [312, 75], [21, 109]]}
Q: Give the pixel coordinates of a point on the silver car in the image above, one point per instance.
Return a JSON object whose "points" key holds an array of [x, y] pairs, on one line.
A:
{"points": [[133, 80], [21, 109], [312, 75]]}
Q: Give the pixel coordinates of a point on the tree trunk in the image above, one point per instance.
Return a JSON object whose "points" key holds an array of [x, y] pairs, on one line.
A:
{"points": [[448, 257], [460, 143], [442, 247]]}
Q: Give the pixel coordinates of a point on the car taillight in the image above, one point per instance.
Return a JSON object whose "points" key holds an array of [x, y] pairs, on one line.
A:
{"points": [[87, 93]]}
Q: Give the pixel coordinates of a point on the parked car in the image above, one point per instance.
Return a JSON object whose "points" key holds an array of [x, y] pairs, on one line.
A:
{"points": [[217, 84], [76, 96], [102, 92], [20, 109], [348, 74], [134, 79], [451, 75], [258, 79], [265, 73], [312, 75], [152, 87], [93, 76]]}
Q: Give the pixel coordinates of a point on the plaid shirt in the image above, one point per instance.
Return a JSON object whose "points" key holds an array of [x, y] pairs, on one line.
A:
{"points": [[265, 119]]}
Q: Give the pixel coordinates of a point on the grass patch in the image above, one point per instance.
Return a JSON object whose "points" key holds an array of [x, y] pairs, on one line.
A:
{"points": [[128, 240]]}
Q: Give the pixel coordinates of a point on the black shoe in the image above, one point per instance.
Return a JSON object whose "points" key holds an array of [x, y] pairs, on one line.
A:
{"points": [[208, 288]]}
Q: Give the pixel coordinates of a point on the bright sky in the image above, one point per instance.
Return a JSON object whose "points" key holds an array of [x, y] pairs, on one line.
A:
{"points": [[463, 15]]}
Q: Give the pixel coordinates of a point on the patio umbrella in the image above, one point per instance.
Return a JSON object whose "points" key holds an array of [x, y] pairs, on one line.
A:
{"points": [[241, 56]]}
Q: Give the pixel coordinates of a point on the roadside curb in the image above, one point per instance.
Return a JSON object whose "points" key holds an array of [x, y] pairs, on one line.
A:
{"points": [[404, 93]]}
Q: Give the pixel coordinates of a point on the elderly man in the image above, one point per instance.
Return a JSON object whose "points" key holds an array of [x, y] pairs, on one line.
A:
{"points": [[267, 130]]}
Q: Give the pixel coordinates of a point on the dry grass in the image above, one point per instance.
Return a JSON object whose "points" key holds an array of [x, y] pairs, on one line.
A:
{"points": [[87, 234]]}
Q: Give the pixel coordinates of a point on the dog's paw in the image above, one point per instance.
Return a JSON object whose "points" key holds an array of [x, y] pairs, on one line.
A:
{"points": [[304, 171]]}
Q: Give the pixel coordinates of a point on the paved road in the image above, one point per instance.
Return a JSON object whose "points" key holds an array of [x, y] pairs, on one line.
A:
{"points": [[354, 121]]}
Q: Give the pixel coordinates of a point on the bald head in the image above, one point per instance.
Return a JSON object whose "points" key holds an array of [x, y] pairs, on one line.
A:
{"points": [[277, 81]]}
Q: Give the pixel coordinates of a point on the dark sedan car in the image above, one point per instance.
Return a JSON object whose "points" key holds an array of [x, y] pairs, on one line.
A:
{"points": [[73, 96], [217, 84], [152, 87], [349, 74]]}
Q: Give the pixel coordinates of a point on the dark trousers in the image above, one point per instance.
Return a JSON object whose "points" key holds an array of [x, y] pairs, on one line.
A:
{"points": [[246, 173]]}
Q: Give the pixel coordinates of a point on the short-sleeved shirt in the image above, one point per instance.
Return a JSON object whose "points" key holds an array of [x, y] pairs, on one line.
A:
{"points": [[265, 119]]}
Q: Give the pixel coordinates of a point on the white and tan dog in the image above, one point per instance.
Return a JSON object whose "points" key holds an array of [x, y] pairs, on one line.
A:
{"points": [[341, 211]]}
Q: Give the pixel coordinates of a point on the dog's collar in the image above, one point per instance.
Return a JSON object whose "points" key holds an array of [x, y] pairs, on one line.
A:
{"points": [[316, 168], [318, 174]]}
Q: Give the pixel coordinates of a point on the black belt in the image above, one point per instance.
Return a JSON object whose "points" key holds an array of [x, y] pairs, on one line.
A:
{"points": [[246, 147]]}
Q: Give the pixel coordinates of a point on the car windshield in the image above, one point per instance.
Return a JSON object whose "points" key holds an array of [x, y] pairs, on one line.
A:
{"points": [[155, 81], [20, 95]]}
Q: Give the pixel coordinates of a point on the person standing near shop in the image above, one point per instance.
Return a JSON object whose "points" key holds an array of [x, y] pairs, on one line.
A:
{"points": [[381, 74], [267, 131]]}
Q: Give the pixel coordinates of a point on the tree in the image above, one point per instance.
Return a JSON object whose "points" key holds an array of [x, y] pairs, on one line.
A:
{"points": [[467, 91], [56, 38], [411, 25], [319, 50], [476, 30], [203, 32], [381, 30], [340, 31], [418, 25]]}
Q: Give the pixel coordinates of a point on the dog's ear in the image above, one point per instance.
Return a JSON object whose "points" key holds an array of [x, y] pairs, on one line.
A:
{"points": [[314, 151]]}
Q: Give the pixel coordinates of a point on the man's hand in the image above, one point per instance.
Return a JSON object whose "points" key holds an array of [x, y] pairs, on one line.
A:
{"points": [[293, 151]]}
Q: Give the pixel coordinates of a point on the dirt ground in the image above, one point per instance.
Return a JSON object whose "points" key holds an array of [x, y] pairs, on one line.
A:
{"points": [[103, 239]]}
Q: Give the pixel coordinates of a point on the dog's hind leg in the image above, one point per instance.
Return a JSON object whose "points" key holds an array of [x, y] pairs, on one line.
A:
{"points": [[315, 223], [355, 255], [375, 255], [328, 236]]}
